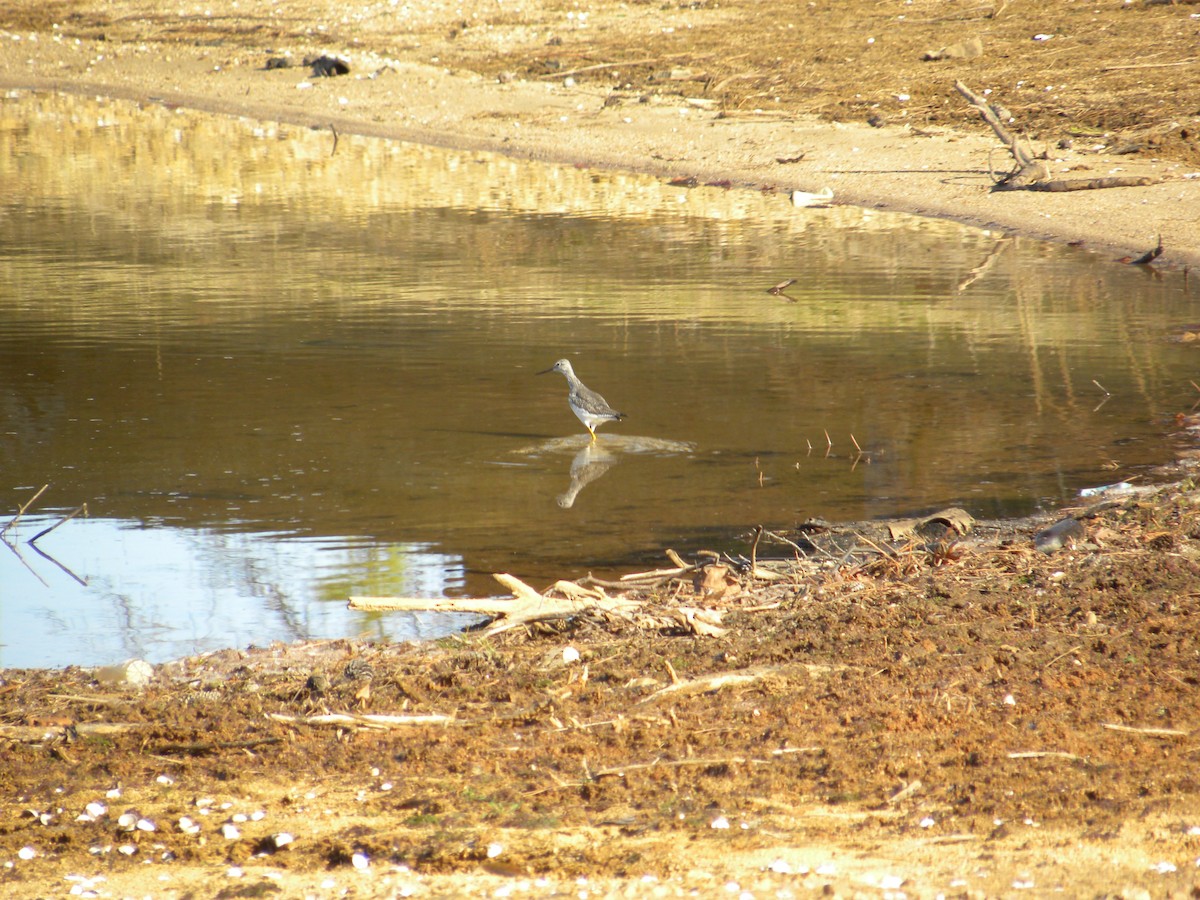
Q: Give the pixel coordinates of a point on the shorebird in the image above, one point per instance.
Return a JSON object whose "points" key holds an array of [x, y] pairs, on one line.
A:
{"points": [[589, 407]]}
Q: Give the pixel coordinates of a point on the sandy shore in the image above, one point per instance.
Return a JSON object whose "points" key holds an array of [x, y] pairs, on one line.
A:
{"points": [[926, 171]]}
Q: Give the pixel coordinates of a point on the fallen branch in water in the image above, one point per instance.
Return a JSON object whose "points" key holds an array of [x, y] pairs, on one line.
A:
{"points": [[68, 517], [22, 508]]}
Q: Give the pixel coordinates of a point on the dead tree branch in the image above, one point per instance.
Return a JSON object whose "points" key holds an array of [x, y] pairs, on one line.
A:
{"points": [[1031, 173]]}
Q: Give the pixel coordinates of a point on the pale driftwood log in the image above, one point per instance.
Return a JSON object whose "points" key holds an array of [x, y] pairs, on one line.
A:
{"points": [[526, 607], [706, 622], [484, 606], [1147, 732], [746, 677]]}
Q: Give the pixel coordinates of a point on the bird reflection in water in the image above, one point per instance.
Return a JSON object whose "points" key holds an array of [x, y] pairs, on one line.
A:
{"points": [[589, 464]]}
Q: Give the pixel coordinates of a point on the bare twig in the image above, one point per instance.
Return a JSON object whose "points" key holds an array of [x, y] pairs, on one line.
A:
{"points": [[21, 510], [1061, 655], [68, 517], [361, 721], [1161, 65], [1029, 170], [1043, 754]]}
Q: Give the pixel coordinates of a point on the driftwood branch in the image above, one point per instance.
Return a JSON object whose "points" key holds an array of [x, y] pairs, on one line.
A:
{"points": [[1029, 169], [526, 607], [1046, 754], [22, 508], [198, 748], [564, 600], [1092, 184], [1032, 174]]}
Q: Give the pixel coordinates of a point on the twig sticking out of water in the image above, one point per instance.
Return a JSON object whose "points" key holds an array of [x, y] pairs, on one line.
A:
{"points": [[45, 531], [1102, 387], [30, 502], [333, 128]]}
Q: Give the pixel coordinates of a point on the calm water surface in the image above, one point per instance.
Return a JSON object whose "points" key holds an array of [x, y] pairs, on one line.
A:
{"points": [[279, 377]]}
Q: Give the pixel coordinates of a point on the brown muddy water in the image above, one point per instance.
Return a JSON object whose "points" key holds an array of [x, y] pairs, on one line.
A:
{"points": [[279, 375]]}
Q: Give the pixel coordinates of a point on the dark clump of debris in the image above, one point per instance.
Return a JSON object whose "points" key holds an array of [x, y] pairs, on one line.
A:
{"points": [[322, 66]]}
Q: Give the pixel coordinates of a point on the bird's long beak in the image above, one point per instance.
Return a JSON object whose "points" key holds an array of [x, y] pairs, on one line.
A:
{"points": [[544, 371]]}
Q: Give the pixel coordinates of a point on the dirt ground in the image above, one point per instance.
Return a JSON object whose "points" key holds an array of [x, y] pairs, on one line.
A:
{"points": [[965, 717]]}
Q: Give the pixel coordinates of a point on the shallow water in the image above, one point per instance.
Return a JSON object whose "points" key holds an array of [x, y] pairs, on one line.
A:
{"points": [[279, 376]]}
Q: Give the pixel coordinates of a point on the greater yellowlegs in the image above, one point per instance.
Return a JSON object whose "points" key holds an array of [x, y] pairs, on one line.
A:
{"points": [[590, 408]]}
